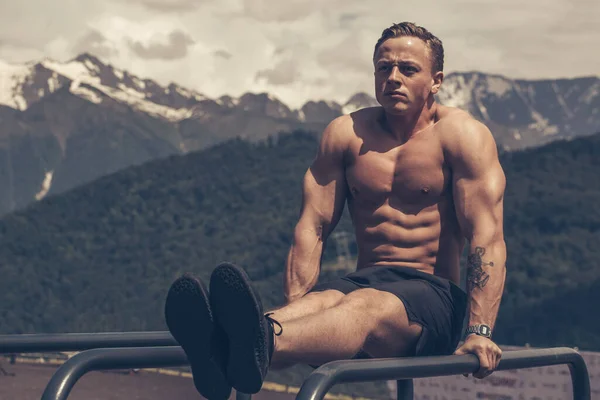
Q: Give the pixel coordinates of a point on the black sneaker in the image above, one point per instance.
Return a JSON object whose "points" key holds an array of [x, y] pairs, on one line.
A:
{"points": [[238, 309], [190, 321]]}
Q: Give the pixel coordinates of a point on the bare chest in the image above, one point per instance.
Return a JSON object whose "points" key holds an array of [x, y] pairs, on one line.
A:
{"points": [[411, 174]]}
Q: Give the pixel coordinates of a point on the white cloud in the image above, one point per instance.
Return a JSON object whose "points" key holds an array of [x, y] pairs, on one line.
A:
{"points": [[174, 46], [173, 6], [96, 43], [300, 49], [283, 73]]}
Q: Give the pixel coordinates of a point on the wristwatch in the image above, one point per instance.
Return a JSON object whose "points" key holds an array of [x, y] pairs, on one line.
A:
{"points": [[481, 330]]}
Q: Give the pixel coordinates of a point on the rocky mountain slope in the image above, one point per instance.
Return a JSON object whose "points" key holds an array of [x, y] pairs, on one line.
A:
{"points": [[65, 124]]}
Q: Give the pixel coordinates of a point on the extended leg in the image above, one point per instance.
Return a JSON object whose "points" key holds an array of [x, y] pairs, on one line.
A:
{"points": [[373, 320], [366, 319], [310, 304]]}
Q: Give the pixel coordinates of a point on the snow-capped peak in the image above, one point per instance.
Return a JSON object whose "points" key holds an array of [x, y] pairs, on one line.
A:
{"points": [[22, 85], [227, 101], [457, 90], [358, 101], [498, 86], [12, 78], [185, 92], [74, 70]]}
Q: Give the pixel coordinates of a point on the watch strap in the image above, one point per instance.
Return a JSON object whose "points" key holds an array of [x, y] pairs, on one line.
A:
{"points": [[480, 330]]}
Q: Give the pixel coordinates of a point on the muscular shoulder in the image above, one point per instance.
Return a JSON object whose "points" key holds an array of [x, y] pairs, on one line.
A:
{"points": [[336, 136], [343, 130], [463, 136], [366, 117], [471, 152]]}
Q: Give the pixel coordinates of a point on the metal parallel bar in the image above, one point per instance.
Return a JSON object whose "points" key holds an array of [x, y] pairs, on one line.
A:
{"points": [[405, 389], [65, 378], [323, 378], [29, 343], [68, 374], [580, 379]]}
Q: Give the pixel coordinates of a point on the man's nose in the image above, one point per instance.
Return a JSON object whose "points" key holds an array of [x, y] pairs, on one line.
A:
{"points": [[394, 75]]}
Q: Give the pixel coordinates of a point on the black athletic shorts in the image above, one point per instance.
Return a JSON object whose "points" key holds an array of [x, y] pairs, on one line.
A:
{"points": [[437, 304]]}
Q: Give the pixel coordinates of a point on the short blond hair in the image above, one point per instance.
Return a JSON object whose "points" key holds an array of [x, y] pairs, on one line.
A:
{"points": [[411, 29]]}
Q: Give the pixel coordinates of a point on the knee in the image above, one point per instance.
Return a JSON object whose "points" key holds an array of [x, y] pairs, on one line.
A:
{"points": [[325, 299], [372, 303]]}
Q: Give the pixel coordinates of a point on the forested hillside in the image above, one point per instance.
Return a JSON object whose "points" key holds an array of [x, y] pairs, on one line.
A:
{"points": [[101, 257]]}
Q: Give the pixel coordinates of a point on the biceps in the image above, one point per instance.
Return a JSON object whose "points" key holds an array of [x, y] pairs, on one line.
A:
{"points": [[479, 205], [324, 196]]}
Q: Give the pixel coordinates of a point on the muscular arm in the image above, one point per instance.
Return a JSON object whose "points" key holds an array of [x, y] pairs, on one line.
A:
{"points": [[478, 189], [323, 199]]}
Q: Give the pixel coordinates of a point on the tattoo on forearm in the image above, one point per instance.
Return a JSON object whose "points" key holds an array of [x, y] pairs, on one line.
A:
{"points": [[476, 276]]}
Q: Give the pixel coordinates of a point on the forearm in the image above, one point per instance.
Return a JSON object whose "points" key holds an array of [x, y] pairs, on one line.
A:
{"points": [[486, 272], [303, 263]]}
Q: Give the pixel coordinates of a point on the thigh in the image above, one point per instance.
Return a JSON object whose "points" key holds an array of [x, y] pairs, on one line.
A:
{"points": [[342, 285], [392, 333], [309, 304], [322, 296]]}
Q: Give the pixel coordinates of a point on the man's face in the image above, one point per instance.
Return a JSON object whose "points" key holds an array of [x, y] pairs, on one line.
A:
{"points": [[403, 79]]}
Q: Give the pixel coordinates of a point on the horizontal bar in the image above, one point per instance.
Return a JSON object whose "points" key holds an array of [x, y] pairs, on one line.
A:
{"points": [[68, 374], [28, 343], [326, 376], [65, 377], [319, 382]]}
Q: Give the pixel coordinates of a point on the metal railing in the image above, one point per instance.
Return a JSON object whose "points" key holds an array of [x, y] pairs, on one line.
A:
{"points": [[404, 369], [64, 379], [125, 350], [29, 343], [323, 378]]}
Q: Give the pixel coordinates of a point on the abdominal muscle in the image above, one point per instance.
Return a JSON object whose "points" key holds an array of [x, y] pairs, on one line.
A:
{"points": [[429, 241]]}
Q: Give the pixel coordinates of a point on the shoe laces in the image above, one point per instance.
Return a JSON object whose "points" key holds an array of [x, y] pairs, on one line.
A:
{"points": [[273, 321]]}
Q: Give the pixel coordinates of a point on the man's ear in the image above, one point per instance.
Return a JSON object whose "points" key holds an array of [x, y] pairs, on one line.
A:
{"points": [[438, 78]]}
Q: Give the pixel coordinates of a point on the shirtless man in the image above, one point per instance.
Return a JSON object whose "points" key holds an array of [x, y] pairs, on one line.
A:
{"points": [[420, 180]]}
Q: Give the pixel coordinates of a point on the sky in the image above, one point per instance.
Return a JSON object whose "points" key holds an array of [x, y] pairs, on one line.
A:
{"points": [[300, 50]]}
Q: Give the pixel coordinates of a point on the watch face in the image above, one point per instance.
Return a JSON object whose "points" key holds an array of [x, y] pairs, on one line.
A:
{"points": [[481, 330]]}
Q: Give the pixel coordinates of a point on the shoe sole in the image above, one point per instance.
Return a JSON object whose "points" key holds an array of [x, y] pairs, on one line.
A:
{"points": [[239, 311], [190, 321]]}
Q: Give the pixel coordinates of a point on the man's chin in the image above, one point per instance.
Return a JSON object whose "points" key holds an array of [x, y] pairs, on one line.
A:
{"points": [[396, 109]]}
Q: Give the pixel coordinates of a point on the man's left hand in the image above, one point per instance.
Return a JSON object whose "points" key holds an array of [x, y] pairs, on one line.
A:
{"points": [[488, 352]]}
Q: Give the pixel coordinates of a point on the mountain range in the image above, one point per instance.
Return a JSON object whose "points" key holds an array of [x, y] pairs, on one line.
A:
{"points": [[63, 124]]}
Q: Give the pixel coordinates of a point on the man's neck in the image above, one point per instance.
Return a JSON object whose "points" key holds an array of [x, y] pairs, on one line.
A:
{"points": [[403, 127]]}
